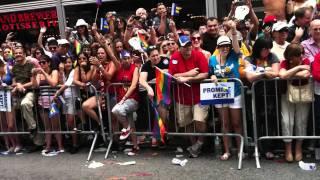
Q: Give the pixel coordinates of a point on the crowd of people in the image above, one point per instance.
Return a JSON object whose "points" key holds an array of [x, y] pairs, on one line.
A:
{"points": [[228, 48]]}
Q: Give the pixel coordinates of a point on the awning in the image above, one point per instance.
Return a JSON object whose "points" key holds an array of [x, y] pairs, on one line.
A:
{"points": [[42, 4]]}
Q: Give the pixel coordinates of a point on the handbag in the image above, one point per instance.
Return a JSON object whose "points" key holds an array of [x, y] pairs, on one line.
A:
{"points": [[300, 94]]}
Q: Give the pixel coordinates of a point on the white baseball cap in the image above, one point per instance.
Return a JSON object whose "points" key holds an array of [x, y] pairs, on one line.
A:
{"points": [[279, 25], [223, 40], [63, 42]]}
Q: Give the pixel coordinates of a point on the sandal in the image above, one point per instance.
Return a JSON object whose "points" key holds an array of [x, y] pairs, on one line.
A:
{"points": [[225, 157]]}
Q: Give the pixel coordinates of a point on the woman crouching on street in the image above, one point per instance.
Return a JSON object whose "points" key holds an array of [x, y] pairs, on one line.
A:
{"points": [[127, 99]]}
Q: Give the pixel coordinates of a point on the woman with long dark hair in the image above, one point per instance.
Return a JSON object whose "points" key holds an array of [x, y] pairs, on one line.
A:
{"points": [[264, 65], [82, 35], [47, 76]]}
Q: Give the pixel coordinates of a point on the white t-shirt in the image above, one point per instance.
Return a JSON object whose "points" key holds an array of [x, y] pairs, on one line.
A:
{"points": [[278, 49], [70, 92]]}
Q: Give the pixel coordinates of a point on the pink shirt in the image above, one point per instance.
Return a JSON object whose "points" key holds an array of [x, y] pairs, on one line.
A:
{"points": [[310, 48]]}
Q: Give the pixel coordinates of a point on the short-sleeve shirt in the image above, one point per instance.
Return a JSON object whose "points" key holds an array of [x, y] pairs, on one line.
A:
{"points": [[272, 58], [183, 94], [229, 70], [147, 67], [209, 42], [22, 73], [55, 60], [157, 22], [292, 33], [125, 76], [285, 65]]}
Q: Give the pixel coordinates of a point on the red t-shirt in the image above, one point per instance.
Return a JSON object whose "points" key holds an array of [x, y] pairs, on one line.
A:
{"points": [[125, 76], [285, 65], [184, 94]]}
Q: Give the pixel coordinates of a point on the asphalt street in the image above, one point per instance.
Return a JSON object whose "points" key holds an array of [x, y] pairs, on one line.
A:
{"points": [[150, 164]]}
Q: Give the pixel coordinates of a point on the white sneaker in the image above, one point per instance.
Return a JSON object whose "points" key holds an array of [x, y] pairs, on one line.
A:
{"points": [[125, 133]]}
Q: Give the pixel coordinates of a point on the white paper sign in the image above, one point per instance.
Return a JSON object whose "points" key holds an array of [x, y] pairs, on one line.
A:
{"points": [[241, 12], [5, 100], [217, 93]]}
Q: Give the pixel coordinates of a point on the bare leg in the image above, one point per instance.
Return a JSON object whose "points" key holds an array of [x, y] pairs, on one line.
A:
{"points": [[47, 127], [88, 107], [298, 150], [72, 124], [288, 152], [224, 118], [236, 124], [56, 127]]}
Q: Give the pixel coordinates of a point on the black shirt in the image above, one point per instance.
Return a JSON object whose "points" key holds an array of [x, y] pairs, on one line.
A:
{"points": [[147, 67], [209, 42], [56, 59], [292, 33]]}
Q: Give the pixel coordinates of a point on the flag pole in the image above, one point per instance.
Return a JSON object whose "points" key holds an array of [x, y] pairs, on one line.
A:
{"points": [[172, 76], [95, 19]]}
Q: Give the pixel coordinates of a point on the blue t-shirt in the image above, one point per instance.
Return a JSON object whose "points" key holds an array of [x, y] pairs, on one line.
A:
{"points": [[229, 70]]}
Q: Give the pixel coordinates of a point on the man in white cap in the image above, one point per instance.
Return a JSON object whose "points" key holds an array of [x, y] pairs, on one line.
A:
{"points": [[189, 65], [61, 54], [312, 45], [280, 34]]}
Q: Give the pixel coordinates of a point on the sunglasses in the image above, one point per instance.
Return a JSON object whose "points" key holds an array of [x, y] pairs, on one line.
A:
{"points": [[224, 46], [42, 62], [172, 43], [52, 48], [195, 38]]}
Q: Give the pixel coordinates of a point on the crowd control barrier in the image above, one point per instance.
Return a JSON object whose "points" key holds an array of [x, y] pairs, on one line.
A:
{"points": [[277, 115], [61, 115], [173, 126]]}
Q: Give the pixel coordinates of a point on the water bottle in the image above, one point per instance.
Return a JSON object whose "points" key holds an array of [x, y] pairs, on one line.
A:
{"points": [[217, 145]]}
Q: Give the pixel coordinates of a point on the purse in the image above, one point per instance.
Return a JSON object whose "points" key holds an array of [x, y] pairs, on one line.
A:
{"points": [[300, 94]]}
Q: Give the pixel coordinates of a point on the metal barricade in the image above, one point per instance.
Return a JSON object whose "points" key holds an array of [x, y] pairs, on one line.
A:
{"points": [[81, 124], [38, 119], [10, 128], [182, 131], [267, 111]]}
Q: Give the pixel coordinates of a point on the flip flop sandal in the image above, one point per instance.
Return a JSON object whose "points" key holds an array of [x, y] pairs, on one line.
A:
{"points": [[225, 157]]}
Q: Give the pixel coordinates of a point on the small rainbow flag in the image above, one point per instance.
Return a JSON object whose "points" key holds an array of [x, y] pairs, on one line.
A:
{"points": [[163, 83], [11, 54], [159, 129], [143, 41], [77, 45], [175, 10]]}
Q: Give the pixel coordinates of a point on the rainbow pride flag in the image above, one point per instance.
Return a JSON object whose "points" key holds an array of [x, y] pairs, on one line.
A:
{"points": [[159, 129], [77, 45], [143, 40], [163, 83]]}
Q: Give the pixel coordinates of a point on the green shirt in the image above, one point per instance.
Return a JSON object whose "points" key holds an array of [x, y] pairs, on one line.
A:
{"points": [[22, 73]]}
